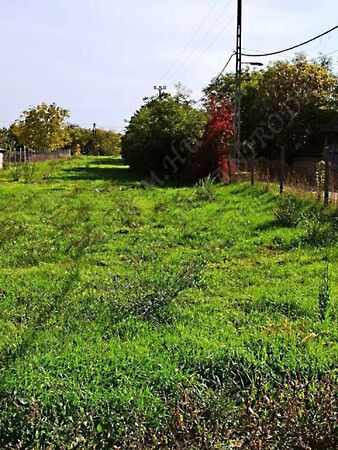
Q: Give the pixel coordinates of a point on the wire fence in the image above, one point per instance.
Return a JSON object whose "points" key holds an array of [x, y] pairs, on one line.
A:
{"points": [[22, 155], [302, 177]]}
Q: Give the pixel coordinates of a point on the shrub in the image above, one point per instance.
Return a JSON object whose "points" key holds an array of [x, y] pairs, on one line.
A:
{"points": [[203, 189], [15, 173], [320, 178], [25, 172], [160, 135], [217, 142], [320, 230], [320, 225], [289, 211], [28, 172]]}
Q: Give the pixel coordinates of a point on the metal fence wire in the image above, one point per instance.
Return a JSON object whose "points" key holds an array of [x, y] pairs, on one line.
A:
{"points": [[22, 155]]}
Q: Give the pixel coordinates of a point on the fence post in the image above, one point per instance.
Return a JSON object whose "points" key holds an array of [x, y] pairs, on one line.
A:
{"points": [[282, 169], [327, 175], [252, 167]]}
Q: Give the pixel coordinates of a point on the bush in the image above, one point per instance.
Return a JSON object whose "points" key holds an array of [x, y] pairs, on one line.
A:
{"points": [[217, 143], [160, 135], [25, 172], [289, 211], [320, 230], [320, 224], [28, 171], [203, 189]]}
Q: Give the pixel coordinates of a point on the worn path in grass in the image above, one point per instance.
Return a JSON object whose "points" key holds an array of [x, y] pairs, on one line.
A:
{"points": [[113, 293]]}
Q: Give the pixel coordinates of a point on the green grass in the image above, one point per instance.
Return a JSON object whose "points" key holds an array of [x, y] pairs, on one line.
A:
{"points": [[116, 297]]}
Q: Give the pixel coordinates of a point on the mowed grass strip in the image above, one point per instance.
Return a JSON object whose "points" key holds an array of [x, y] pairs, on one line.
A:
{"points": [[116, 297]]}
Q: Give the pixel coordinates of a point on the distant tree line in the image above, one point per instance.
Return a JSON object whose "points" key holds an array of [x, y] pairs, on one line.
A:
{"points": [[45, 127], [283, 106], [102, 142]]}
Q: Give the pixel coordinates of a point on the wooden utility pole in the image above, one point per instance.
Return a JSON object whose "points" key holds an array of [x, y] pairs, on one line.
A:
{"points": [[94, 138]]}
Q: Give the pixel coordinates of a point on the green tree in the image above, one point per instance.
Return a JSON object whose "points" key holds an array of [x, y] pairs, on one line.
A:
{"points": [[283, 105], [42, 127], [294, 100], [7, 139], [105, 142], [160, 134], [81, 137], [108, 142]]}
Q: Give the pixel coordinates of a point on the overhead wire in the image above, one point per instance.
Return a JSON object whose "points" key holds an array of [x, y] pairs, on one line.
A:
{"points": [[289, 57], [208, 47], [293, 47], [220, 74], [226, 65], [243, 54], [191, 39], [204, 36], [327, 54]]}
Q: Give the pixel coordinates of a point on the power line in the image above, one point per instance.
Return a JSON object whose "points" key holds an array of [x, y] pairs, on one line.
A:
{"points": [[203, 38], [220, 74], [263, 51], [208, 47], [226, 65], [293, 47], [327, 54], [191, 39], [289, 56], [194, 61], [234, 53]]}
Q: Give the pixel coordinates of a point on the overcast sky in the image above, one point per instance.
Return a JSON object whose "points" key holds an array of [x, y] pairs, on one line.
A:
{"points": [[99, 58]]}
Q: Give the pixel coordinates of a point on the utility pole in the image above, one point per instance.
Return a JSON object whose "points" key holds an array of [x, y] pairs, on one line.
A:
{"points": [[160, 90], [94, 139], [237, 149]]}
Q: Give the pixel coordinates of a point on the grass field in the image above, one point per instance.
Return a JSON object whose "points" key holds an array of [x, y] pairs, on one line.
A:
{"points": [[140, 316]]}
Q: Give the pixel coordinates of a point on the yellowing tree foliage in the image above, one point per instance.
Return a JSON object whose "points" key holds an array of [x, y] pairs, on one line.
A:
{"points": [[42, 127], [297, 99]]}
